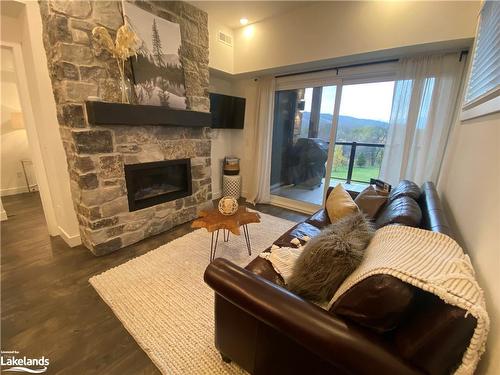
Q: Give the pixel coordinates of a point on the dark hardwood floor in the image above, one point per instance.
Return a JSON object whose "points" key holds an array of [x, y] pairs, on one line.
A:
{"points": [[48, 306]]}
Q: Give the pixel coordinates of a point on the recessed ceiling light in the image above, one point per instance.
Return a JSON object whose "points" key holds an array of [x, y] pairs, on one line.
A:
{"points": [[243, 21]]}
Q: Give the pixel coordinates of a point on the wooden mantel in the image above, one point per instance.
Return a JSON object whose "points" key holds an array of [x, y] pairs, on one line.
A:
{"points": [[105, 113]]}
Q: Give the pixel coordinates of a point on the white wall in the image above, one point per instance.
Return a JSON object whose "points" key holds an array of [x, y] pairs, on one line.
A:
{"points": [[14, 140], [221, 138], [234, 142], [43, 133], [221, 56], [469, 186], [14, 149], [331, 29], [244, 143], [10, 29]]}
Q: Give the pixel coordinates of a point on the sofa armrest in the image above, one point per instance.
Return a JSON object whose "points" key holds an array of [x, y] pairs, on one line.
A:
{"points": [[331, 338]]}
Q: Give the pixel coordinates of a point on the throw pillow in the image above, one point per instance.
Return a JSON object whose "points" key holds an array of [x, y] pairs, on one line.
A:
{"points": [[330, 257], [339, 204], [371, 200]]}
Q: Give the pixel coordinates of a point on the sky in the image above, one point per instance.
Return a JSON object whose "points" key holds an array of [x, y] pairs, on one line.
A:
{"points": [[366, 100]]}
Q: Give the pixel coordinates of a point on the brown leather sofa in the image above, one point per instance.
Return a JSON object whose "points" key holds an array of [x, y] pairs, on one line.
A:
{"points": [[380, 326]]}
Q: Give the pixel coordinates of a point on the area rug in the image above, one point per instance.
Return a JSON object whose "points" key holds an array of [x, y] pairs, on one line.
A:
{"points": [[163, 302]]}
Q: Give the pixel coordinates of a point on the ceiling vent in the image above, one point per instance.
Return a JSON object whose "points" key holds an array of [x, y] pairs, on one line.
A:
{"points": [[225, 38]]}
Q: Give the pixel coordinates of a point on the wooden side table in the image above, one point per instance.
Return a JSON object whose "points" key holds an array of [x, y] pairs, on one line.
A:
{"points": [[214, 221]]}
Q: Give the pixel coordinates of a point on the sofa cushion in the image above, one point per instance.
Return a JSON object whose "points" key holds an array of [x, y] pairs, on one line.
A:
{"points": [[435, 335], [378, 302], [405, 188], [340, 204], [319, 219], [371, 200], [403, 210]]}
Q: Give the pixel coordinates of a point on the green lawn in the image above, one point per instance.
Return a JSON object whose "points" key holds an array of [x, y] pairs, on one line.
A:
{"points": [[358, 174]]}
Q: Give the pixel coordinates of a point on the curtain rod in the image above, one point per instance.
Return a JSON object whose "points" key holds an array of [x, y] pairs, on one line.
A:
{"points": [[462, 53], [337, 68]]}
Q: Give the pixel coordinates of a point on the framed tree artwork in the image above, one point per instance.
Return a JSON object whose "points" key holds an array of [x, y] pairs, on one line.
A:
{"points": [[157, 69]]}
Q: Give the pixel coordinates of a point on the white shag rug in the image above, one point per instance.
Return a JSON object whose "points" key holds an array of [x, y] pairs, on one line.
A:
{"points": [[162, 300]]}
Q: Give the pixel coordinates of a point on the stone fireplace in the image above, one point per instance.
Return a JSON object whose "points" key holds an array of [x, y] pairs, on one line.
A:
{"points": [[127, 182]]}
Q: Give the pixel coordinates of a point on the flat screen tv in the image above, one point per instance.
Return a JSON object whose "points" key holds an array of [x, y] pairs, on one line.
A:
{"points": [[228, 112]]}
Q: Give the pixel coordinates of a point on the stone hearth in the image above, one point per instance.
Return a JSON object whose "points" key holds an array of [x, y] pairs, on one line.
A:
{"points": [[97, 155]]}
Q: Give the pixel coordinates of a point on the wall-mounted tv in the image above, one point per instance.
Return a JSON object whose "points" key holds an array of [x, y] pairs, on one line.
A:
{"points": [[228, 112]]}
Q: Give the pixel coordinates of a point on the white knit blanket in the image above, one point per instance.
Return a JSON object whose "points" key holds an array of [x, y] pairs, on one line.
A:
{"points": [[435, 263], [282, 259]]}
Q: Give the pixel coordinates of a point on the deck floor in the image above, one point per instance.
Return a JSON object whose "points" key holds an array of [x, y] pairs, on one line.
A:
{"points": [[314, 196]]}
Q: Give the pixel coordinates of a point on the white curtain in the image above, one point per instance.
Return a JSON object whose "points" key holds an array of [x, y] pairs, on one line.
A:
{"points": [[259, 188], [425, 98]]}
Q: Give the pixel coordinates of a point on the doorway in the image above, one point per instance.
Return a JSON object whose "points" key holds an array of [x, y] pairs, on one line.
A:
{"points": [[332, 130], [17, 170], [17, 174]]}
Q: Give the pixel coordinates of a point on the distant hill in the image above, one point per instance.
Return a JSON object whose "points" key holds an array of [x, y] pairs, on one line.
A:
{"points": [[351, 128], [354, 122]]}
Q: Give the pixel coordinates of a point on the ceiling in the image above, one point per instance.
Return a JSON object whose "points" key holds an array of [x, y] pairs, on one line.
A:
{"points": [[230, 12]]}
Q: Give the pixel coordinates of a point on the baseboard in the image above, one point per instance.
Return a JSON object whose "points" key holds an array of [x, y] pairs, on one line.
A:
{"points": [[16, 190], [72, 241]]}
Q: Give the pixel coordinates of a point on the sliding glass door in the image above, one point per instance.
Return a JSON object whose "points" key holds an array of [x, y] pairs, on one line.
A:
{"points": [[303, 123], [365, 109], [328, 130]]}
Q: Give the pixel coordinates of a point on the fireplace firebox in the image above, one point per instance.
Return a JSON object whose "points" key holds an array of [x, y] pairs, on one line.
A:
{"points": [[149, 184]]}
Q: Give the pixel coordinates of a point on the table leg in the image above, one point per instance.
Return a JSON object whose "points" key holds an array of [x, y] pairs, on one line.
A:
{"points": [[226, 237], [213, 246], [247, 239]]}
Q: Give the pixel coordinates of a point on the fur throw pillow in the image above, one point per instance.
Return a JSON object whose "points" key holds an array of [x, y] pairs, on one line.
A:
{"points": [[330, 257]]}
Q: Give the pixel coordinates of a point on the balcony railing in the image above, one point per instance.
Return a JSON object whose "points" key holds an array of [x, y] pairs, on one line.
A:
{"points": [[352, 158]]}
